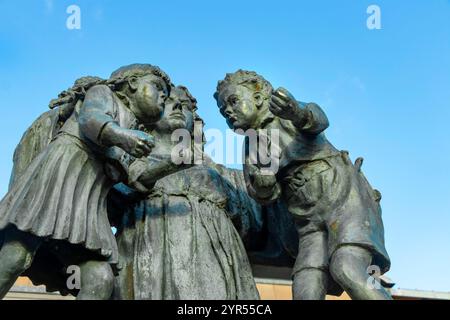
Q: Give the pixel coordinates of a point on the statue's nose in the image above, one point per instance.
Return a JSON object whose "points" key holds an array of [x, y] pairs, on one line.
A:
{"points": [[177, 106], [228, 112]]}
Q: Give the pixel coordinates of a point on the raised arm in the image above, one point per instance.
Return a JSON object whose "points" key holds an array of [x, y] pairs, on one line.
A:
{"points": [[306, 117], [96, 113], [98, 123]]}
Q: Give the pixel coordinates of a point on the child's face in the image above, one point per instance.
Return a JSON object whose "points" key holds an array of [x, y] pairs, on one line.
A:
{"points": [[238, 106], [178, 112], [151, 93]]}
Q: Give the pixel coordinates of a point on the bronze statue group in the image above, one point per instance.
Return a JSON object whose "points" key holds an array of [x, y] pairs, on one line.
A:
{"points": [[101, 158]]}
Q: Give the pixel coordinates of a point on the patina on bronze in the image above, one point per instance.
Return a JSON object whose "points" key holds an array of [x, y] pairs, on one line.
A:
{"points": [[54, 214], [337, 213], [102, 157], [179, 241]]}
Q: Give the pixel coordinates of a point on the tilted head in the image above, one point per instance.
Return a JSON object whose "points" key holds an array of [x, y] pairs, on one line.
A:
{"points": [[179, 111], [243, 99], [145, 86]]}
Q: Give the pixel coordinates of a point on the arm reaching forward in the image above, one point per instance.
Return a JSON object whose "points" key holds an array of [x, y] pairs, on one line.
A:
{"points": [[308, 118]]}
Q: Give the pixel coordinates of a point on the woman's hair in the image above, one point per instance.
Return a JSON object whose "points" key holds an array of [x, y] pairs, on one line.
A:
{"points": [[193, 101], [197, 131], [190, 96], [249, 79]]}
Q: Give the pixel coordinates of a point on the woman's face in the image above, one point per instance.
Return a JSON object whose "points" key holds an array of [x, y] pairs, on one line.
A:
{"points": [[178, 112], [151, 93]]}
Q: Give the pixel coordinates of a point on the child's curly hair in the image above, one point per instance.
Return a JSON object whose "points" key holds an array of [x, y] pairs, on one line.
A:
{"points": [[249, 79]]}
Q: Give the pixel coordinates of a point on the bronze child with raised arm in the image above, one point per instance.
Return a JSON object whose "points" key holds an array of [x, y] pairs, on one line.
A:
{"points": [[337, 213]]}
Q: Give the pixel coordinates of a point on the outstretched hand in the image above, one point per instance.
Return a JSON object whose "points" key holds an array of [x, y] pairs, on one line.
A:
{"points": [[283, 104]]}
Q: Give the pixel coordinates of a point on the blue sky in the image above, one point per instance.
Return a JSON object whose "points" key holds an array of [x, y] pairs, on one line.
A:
{"points": [[386, 92]]}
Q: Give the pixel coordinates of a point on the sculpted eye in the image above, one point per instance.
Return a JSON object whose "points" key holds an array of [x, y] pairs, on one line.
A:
{"points": [[187, 105], [158, 85], [233, 100]]}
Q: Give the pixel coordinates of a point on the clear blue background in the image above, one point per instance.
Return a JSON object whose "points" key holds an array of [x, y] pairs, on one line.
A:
{"points": [[386, 92]]}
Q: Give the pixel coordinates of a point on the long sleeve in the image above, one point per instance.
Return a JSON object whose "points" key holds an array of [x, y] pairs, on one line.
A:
{"points": [[316, 120], [97, 111]]}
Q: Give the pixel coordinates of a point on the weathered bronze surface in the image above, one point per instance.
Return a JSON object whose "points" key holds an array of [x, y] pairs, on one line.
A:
{"points": [[103, 157], [336, 211]]}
